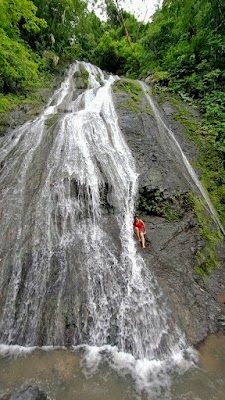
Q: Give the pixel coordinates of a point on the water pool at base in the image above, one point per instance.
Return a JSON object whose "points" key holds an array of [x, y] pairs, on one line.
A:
{"points": [[62, 374]]}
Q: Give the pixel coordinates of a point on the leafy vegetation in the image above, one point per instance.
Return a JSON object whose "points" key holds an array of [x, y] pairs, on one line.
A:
{"points": [[85, 76], [130, 87], [38, 39], [184, 51], [51, 120], [209, 161], [171, 208], [206, 258], [133, 88]]}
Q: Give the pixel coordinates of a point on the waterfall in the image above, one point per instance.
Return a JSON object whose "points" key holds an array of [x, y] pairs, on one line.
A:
{"points": [[70, 272], [169, 140]]}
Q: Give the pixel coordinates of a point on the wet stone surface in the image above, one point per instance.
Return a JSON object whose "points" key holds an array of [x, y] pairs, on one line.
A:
{"points": [[172, 245], [51, 276], [30, 393]]}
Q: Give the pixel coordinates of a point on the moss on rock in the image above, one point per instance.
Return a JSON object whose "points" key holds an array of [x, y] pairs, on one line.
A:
{"points": [[207, 257], [209, 162], [52, 120], [134, 90], [172, 208], [134, 101], [81, 78]]}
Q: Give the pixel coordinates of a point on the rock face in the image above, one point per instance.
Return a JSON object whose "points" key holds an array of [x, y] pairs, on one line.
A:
{"points": [[30, 393], [174, 237], [163, 202], [28, 111]]}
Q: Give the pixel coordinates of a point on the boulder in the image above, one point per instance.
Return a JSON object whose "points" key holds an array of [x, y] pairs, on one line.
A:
{"points": [[30, 393]]}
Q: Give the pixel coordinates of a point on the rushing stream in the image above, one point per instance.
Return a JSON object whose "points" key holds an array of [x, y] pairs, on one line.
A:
{"points": [[65, 374], [70, 274]]}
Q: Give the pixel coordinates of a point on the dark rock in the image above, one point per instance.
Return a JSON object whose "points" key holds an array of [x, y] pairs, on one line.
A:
{"points": [[172, 244], [28, 111], [30, 393]]}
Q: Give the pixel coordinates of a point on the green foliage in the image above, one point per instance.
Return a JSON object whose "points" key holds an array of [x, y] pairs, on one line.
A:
{"points": [[18, 65], [160, 77], [71, 32], [111, 55], [187, 41], [72, 53], [151, 205], [88, 33], [182, 49], [210, 163], [62, 24], [171, 208], [51, 120], [18, 69], [206, 258], [133, 102], [7, 102], [31, 102], [17, 15], [85, 77], [38, 38], [130, 87], [112, 14]]}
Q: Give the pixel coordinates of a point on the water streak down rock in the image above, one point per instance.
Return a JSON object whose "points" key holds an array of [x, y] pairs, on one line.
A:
{"points": [[161, 148], [70, 271]]}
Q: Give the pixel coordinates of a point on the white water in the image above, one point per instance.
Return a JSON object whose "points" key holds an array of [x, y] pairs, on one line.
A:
{"points": [[66, 242], [171, 141]]}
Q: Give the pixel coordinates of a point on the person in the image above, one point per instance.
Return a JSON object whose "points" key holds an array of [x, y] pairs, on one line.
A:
{"points": [[140, 230]]}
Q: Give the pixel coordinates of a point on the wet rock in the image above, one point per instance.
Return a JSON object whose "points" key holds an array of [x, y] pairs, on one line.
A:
{"points": [[30, 393], [81, 79], [27, 111], [221, 321], [174, 237]]}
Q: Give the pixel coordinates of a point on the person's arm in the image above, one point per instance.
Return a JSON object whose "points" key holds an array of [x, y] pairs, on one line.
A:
{"points": [[143, 227]]}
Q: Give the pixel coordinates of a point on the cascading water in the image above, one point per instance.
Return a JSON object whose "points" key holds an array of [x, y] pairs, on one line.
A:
{"points": [[70, 273], [168, 139]]}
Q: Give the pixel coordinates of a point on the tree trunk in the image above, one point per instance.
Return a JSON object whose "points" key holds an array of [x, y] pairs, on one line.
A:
{"points": [[122, 21]]}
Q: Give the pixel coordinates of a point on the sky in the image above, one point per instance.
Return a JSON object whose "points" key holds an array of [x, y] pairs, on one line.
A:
{"points": [[142, 9]]}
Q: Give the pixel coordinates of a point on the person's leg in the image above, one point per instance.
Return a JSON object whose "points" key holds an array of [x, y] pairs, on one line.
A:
{"points": [[137, 232], [142, 236]]}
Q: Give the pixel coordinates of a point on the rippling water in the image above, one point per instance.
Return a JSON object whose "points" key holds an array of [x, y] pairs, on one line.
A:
{"points": [[67, 374]]}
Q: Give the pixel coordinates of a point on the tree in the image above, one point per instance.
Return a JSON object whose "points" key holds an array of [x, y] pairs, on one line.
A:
{"points": [[18, 70], [18, 67], [17, 15], [115, 13], [62, 17]]}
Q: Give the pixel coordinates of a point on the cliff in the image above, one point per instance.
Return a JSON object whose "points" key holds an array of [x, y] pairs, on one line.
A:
{"points": [[165, 203], [67, 182]]}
